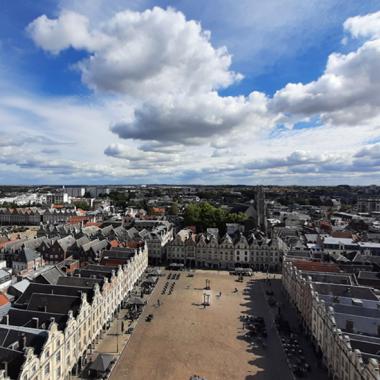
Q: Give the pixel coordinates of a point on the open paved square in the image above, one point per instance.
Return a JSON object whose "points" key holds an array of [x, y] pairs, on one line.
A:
{"points": [[184, 339]]}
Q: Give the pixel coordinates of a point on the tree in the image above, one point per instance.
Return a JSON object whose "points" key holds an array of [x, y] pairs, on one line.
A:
{"points": [[204, 215], [174, 209], [82, 205]]}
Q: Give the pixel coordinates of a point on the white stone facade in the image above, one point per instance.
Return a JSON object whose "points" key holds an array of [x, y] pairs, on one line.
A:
{"points": [[211, 252], [64, 349], [342, 362]]}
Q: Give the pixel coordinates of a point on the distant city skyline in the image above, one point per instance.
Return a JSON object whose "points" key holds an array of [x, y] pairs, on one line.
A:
{"points": [[183, 92]]}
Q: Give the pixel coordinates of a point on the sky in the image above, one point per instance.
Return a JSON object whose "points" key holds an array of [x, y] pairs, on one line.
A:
{"points": [[281, 92]]}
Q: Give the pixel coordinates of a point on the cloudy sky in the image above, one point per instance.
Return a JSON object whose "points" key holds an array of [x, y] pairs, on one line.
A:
{"points": [[206, 92]]}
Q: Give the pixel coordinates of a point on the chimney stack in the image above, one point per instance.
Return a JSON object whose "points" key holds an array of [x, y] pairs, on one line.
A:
{"points": [[35, 322], [22, 342]]}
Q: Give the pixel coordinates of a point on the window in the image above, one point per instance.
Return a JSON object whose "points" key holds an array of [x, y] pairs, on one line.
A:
{"points": [[58, 356], [47, 369]]}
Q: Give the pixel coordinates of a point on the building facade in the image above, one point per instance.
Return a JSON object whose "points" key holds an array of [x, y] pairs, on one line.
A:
{"points": [[227, 252], [63, 347]]}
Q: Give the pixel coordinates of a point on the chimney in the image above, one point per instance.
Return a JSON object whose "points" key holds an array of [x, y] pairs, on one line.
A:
{"points": [[35, 322], [6, 319], [22, 342], [5, 366], [349, 326]]}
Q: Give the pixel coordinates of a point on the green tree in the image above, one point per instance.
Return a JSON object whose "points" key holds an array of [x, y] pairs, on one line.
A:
{"points": [[174, 210], [83, 205], [204, 215]]}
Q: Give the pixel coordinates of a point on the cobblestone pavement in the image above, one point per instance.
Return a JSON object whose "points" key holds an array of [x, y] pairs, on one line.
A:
{"points": [[184, 338]]}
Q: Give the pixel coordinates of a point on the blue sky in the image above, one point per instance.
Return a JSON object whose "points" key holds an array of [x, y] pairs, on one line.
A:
{"points": [[135, 91]]}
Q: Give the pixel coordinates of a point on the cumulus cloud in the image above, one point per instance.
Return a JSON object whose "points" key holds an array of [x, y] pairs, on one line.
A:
{"points": [[192, 119], [367, 26], [133, 154], [139, 53], [166, 75], [166, 64], [69, 30], [347, 92], [369, 151]]}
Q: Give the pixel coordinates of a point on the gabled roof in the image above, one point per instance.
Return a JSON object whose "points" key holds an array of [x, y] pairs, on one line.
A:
{"points": [[28, 318], [35, 338], [26, 255], [66, 242], [50, 274], [83, 240]]}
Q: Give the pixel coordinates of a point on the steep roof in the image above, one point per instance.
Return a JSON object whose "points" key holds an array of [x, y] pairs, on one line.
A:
{"points": [[66, 242]]}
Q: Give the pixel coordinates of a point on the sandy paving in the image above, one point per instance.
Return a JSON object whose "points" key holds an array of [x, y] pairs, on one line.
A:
{"points": [[184, 339]]}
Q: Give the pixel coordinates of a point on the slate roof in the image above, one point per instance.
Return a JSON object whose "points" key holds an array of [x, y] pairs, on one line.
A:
{"points": [[20, 286], [53, 290], [79, 281], [35, 338], [66, 242], [14, 358], [4, 274], [83, 240], [26, 255], [357, 311], [54, 303], [21, 317], [49, 274], [92, 274], [360, 292]]}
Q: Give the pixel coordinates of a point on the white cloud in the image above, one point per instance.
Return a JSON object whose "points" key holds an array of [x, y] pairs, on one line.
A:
{"points": [[164, 65], [69, 30], [347, 92], [139, 53], [193, 119], [164, 75], [367, 26]]}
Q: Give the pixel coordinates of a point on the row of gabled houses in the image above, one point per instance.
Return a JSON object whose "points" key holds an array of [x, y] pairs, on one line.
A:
{"points": [[33, 216], [56, 319], [156, 234], [210, 250], [31, 254]]}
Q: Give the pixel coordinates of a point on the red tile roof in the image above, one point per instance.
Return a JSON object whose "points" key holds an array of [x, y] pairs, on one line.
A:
{"points": [[77, 219], [315, 266], [88, 224], [3, 299]]}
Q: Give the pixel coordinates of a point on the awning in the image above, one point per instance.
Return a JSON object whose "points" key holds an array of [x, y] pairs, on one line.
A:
{"points": [[136, 301], [101, 363], [176, 265]]}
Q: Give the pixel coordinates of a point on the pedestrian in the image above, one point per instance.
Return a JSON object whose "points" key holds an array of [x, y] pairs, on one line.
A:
{"points": [[158, 303], [220, 294]]}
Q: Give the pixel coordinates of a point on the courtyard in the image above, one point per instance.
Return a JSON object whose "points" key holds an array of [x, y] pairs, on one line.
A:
{"points": [[184, 338]]}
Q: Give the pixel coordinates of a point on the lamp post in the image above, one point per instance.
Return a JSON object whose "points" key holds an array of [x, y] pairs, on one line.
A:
{"points": [[117, 335]]}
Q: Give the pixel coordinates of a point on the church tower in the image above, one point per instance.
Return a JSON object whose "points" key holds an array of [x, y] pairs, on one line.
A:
{"points": [[261, 209]]}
